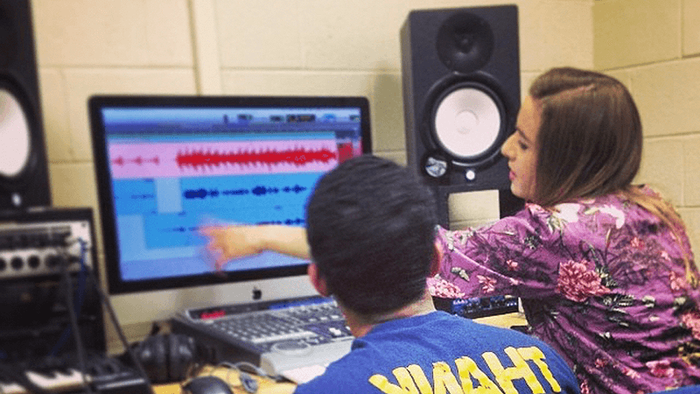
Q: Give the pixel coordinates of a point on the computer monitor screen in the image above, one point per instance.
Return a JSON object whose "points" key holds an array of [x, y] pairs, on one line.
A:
{"points": [[167, 165]]}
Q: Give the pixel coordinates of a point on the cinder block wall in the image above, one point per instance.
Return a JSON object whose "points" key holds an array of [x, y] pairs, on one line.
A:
{"points": [[343, 47], [262, 47], [653, 46]]}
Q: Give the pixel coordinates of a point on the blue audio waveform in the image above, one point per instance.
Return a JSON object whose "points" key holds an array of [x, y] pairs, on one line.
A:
{"points": [[288, 222], [202, 193], [183, 229], [145, 196], [195, 229], [294, 189], [262, 190]]}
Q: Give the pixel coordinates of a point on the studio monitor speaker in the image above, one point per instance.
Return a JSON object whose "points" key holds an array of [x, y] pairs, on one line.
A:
{"points": [[23, 167], [461, 88]]}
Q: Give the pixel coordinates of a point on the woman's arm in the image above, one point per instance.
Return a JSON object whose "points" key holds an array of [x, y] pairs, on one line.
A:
{"points": [[228, 242], [511, 256]]}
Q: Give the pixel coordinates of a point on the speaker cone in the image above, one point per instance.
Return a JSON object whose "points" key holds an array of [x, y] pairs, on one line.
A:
{"points": [[15, 135], [24, 178], [468, 123], [465, 42]]}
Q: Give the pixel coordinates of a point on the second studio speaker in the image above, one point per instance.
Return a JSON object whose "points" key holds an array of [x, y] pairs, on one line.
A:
{"points": [[24, 178], [461, 90]]}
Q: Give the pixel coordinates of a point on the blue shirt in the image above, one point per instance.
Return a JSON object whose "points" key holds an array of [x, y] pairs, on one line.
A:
{"points": [[442, 353]]}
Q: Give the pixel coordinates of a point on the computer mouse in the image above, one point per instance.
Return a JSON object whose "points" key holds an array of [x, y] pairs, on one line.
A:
{"points": [[207, 385]]}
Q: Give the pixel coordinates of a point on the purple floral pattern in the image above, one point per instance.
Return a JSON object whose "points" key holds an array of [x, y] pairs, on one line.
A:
{"points": [[577, 282], [601, 280]]}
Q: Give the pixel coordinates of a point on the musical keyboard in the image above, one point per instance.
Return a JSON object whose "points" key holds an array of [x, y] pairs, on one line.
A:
{"points": [[58, 381], [26, 382], [104, 375], [11, 388]]}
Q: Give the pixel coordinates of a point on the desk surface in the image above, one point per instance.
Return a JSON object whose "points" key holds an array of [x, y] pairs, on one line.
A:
{"points": [[508, 320], [269, 386], [266, 385]]}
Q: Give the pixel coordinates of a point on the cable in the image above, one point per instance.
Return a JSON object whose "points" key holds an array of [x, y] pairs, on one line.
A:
{"points": [[78, 303], [80, 349], [248, 382], [243, 364], [113, 317]]}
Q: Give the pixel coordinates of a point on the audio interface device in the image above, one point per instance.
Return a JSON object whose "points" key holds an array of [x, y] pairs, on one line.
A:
{"points": [[48, 283], [36, 243]]}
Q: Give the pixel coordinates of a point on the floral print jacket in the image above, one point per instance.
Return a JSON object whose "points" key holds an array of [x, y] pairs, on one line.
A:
{"points": [[601, 280]]}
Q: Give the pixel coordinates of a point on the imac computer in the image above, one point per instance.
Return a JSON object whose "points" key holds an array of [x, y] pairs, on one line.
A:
{"points": [[166, 165]]}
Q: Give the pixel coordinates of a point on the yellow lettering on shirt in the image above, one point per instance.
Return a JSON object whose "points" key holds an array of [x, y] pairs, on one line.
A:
{"points": [[519, 370], [412, 379], [444, 380], [535, 354], [382, 383], [467, 368]]}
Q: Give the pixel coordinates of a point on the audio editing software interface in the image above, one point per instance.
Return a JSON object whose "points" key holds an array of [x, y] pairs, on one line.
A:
{"points": [[174, 170]]}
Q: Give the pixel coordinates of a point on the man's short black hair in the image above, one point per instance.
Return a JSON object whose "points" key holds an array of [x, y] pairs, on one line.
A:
{"points": [[370, 227]]}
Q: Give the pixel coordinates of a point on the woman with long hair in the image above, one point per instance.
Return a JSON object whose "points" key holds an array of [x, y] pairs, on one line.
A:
{"points": [[603, 267]]}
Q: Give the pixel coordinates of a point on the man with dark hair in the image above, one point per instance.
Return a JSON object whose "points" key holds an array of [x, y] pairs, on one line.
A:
{"points": [[370, 229]]}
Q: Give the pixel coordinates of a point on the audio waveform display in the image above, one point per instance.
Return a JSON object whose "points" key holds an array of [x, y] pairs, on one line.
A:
{"points": [[135, 160], [182, 230], [195, 229], [170, 210], [172, 159], [287, 222], [295, 156], [260, 190]]}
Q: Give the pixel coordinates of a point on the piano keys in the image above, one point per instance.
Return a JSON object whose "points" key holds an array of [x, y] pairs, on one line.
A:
{"points": [[26, 382], [11, 388], [72, 381]]}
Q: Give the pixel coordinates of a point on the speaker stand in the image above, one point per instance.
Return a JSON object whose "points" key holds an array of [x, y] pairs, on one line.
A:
{"points": [[508, 203]]}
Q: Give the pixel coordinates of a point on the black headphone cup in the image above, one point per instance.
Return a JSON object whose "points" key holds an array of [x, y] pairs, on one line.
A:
{"points": [[156, 365], [167, 357], [182, 355]]}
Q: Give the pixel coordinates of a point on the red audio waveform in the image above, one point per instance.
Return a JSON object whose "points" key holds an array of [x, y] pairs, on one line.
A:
{"points": [[296, 156], [120, 161]]}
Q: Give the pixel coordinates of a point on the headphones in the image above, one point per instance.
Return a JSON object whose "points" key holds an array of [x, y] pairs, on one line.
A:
{"points": [[167, 358]]}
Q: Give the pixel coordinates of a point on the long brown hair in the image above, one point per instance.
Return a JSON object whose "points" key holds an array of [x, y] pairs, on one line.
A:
{"points": [[590, 138], [590, 144]]}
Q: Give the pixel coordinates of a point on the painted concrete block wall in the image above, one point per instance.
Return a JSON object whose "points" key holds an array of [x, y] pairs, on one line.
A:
{"points": [[262, 47], [238, 47], [346, 50], [653, 46]]}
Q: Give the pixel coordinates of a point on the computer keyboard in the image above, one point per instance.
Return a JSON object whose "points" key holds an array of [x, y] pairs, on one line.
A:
{"points": [[277, 336]]}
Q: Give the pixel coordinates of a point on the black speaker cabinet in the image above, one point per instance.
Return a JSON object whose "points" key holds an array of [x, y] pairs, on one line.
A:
{"points": [[461, 89], [24, 178]]}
